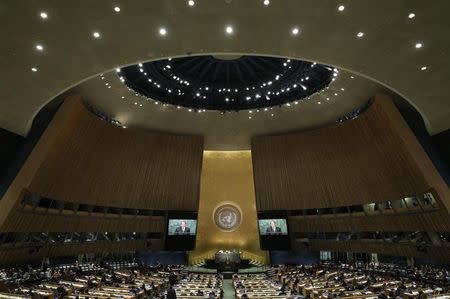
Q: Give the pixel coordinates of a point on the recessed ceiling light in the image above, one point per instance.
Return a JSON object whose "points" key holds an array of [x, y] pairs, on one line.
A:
{"points": [[117, 9], [191, 2], [266, 2], [419, 45], [39, 47], [33, 69], [43, 15], [96, 34], [424, 68], [162, 31], [351, 77], [341, 7], [229, 29], [411, 15], [360, 34], [295, 31], [319, 103]]}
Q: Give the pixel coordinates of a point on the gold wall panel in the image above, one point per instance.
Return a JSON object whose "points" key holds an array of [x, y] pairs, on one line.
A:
{"points": [[227, 178]]}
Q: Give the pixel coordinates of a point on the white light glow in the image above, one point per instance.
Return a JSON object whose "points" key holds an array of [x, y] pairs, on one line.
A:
{"points": [[162, 31], [96, 34], [229, 29], [117, 9], [295, 31], [341, 7], [43, 15]]}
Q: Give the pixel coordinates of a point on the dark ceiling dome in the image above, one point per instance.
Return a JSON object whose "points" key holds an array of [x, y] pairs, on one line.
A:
{"points": [[227, 83]]}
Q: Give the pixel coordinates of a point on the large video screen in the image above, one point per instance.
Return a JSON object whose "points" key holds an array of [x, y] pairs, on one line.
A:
{"points": [[270, 227], [182, 227]]}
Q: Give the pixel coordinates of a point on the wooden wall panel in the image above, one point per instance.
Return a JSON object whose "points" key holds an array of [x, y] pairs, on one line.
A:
{"points": [[364, 160], [20, 221], [95, 162], [21, 255], [431, 221], [435, 253]]}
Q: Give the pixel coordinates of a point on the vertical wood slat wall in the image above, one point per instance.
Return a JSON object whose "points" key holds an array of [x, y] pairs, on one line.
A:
{"points": [[95, 162], [364, 160]]}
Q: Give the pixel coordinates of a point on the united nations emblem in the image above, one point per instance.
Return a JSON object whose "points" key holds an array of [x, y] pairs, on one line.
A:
{"points": [[227, 217]]}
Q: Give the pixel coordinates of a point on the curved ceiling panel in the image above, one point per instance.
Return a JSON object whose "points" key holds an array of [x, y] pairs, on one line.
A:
{"points": [[401, 44], [227, 83]]}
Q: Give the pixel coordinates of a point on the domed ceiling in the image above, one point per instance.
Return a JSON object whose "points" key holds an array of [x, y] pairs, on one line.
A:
{"points": [[52, 47], [110, 94], [227, 83]]}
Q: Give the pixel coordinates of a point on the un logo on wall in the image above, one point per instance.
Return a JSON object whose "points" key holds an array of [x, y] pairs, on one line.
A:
{"points": [[227, 217]]}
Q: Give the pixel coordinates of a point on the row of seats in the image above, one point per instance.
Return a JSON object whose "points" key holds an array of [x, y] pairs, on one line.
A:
{"points": [[349, 281], [259, 286], [196, 285]]}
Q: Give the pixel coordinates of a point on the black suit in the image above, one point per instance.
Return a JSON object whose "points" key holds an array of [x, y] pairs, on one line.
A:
{"points": [[179, 231], [171, 294], [270, 230]]}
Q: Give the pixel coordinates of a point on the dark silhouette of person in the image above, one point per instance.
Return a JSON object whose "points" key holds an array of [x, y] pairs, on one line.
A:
{"points": [[182, 229], [273, 229], [171, 294]]}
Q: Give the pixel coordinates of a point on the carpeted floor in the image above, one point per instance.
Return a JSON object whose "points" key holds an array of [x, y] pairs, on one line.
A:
{"points": [[228, 289]]}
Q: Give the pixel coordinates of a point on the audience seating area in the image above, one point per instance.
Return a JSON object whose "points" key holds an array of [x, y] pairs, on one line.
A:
{"points": [[129, 280], [259, 286], [79, 281], [195, 285], [369, 281]]}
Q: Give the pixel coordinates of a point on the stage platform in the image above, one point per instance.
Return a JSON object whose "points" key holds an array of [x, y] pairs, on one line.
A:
{"points": [[201, 269]]}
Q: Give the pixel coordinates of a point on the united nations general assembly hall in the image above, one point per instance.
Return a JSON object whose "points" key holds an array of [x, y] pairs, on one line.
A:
{"points": [[224, 149]]}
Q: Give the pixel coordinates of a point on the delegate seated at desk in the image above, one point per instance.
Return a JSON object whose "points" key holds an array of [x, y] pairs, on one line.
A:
{"points": [[273, 229], [182, 229]]}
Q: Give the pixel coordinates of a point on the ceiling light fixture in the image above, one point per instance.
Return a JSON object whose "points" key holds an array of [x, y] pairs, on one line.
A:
{"points": [[341, 7], [117, 9], [43, 15], [39, 47], [266, 2], [419, 45], [162, 31], [424, 68], [229, 29], [295, 31], [96, 34], [33, 69], [360, 34], [411, 15], [191, 2]]}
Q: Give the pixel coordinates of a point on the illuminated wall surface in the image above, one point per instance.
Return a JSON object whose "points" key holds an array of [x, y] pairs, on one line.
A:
{"points": [[227, 178]]}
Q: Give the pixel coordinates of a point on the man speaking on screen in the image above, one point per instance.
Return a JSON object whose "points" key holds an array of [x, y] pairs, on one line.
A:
{"points": [[273, 229], [182, 229]]}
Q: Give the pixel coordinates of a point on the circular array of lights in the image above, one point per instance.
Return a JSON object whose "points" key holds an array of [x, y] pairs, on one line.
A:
{"points": [[227, 83]]}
